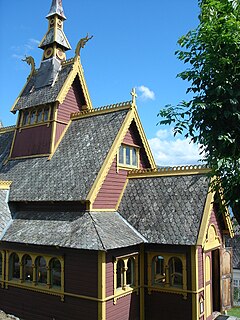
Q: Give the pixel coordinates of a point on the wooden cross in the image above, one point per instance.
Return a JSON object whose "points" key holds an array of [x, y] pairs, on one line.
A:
{"points": [[134, 95]]}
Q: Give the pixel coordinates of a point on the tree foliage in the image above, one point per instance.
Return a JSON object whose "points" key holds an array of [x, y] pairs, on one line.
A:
{"points": [[212, 116]]}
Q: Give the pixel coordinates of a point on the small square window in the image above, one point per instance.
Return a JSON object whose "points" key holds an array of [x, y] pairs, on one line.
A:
{"points": [[128, 156]]}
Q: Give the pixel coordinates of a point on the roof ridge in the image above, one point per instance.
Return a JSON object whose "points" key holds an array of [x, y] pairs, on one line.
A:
{"points": [[174, 170], [103, 109], [7, 129]]}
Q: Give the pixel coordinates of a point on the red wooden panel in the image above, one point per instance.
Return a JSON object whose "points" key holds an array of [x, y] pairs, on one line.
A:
{"points": [[111, 189], [200, 268], [32, 141], [126, 308], [72, 103], [59, 130]]}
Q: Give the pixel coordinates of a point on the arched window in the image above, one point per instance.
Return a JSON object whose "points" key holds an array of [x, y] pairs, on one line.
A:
{"points": [[41, 270], [27, 268], [158, 270], [55, 271], [14, 266], [176, 272], [130, 272], [1, 262], [46, 113], [120, 270]]}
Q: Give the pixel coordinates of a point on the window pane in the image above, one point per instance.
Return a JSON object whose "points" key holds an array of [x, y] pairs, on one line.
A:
{"points": [[33, 117], [134, 157], [130, 271], [128, 156], [55, 267], [41, 269], [120, 266], [14, 266], [121, 155], [175, 271], [158, 270], [40, 116], [27, 268], [25, 118], [46, 112]]}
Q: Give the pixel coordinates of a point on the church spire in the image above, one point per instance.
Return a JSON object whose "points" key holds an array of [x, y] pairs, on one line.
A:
{"points": [[55, 43]]}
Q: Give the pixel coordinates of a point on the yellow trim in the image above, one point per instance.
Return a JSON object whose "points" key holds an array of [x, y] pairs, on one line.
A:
{"points": [[110, 157], [205, 219], [76, 70], [121, 194], [142, 291], [194, 263], [59, 140], [12, 145], [102, 110], [144, 139], [5, 185], [54, 128], [212, 240], [166, 287], [103, 210], [101, 285], [168, 171], [7, 129]]}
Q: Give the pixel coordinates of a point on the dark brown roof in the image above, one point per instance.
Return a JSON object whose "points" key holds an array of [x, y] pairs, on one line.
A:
{"points": [[166, 209]]}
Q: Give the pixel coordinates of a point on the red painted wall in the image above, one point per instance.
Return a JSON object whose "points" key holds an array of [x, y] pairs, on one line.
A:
{"points": [[59, 130], [200, 268], [113, 184], [126, 308], [80, 277], [32, 141]]}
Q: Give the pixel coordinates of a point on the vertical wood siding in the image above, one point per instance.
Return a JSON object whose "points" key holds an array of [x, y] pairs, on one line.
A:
{"points": [[111, 189], [200, 268], [126, 308], [80, 277], [72, 103], [32, 141], [59, 130], [167, 306]]}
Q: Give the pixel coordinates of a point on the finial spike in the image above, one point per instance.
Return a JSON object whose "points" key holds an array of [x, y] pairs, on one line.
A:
{"points": [[56, 8], [134, 96]]}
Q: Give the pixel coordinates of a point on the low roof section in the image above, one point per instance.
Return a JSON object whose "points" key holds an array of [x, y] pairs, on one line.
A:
{"points": [[166, 209], [72, 170], [5, 215], [84, 230]]}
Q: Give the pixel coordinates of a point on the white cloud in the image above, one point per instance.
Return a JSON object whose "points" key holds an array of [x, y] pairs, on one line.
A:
{"points": [[24, 50], [145, 93], [171, 151]]}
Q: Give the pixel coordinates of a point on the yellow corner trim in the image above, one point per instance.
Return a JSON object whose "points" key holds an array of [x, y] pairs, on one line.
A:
{"points": [[5, 185], [101, 285], [7, 129]]}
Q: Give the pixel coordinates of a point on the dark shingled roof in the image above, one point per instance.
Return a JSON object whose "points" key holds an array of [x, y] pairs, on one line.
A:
{"points": [[5, 215], [92, 231], [71, 172], [167, 209], [5, 146], [31, 96]]}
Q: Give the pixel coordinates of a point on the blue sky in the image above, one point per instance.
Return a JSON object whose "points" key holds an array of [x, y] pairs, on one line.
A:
{"points": [[133, 45]]}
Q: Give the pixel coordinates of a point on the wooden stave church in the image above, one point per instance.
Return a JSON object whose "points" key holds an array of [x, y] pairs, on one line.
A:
{"points": [[89, 228]]}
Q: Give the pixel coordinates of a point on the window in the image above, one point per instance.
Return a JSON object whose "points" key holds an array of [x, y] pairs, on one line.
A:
{"points": [[27, 268], [128, 156], [158, 270], [167, 271], [35, 116], [55, 270], [126, 270], [41, 270], [176, 272], [14, 266]]}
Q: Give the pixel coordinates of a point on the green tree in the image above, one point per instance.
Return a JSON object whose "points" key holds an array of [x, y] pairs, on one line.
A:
{"points": [[212, 116]]}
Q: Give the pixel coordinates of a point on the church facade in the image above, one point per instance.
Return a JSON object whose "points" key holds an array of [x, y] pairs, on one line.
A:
{"points": [[90, 228]]}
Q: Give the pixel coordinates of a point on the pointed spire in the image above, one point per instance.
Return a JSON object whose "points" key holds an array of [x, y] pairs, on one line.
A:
{"points": [[56, 8]]}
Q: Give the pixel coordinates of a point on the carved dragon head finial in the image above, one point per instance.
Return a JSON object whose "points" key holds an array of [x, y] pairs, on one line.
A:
{"points": [[81, 44], [31, 62]]}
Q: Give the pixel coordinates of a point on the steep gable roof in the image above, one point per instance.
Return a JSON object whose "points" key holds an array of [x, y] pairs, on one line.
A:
{"points": [[166, 209], [72, 170], [82, 230]]}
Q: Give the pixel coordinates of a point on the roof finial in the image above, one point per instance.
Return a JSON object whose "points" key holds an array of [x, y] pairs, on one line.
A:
{"points": [[56, 8], [81, 44], [134, 96]]}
